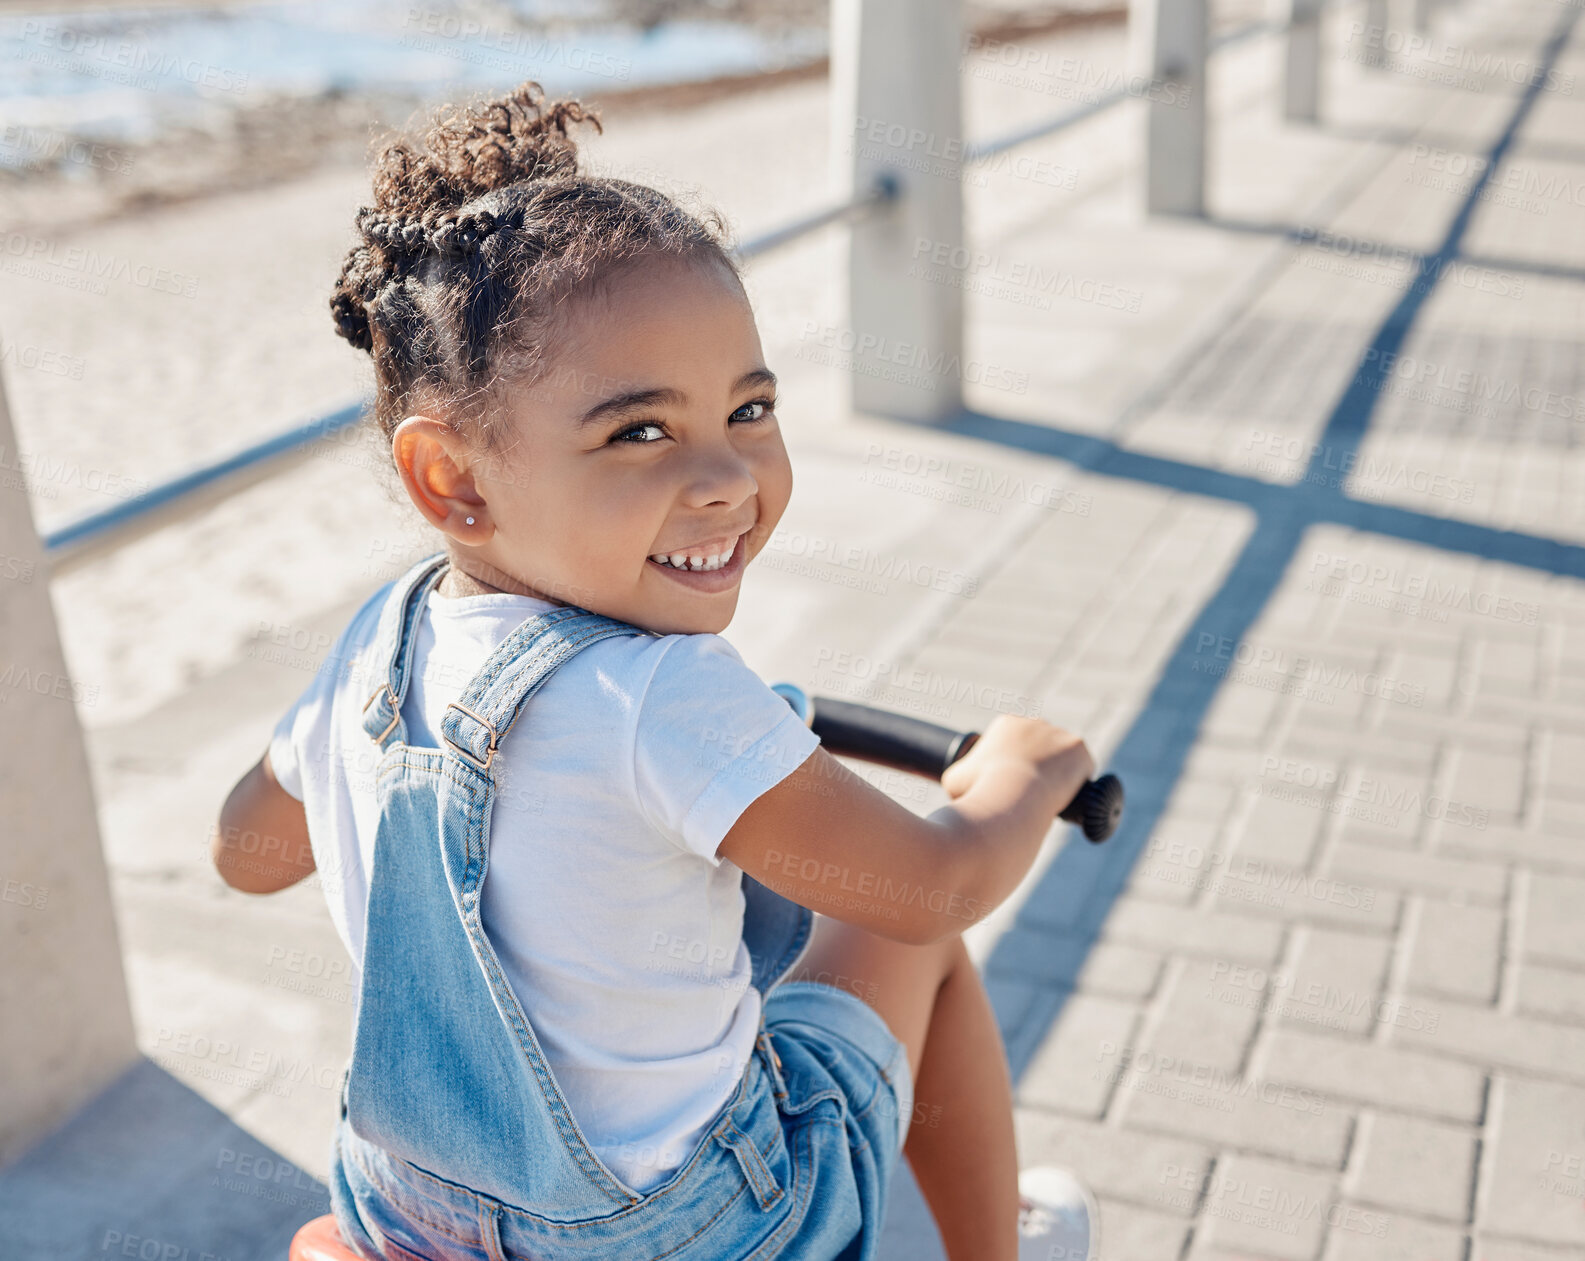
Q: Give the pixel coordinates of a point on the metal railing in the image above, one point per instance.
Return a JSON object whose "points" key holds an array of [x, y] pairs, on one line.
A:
{"points": [[97, 533]]}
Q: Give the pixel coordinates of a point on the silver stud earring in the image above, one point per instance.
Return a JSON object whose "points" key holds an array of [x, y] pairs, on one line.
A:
{"points": [[470, 520]]}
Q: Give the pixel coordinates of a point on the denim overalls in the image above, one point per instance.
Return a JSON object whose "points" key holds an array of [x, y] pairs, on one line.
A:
{"points": [[455, 1140]]}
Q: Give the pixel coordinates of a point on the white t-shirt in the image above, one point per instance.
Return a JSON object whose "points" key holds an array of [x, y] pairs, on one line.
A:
{"points": [[618, 927]]}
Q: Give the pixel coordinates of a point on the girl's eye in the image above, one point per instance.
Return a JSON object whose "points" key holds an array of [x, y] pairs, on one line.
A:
{"points": [[765, 406]]}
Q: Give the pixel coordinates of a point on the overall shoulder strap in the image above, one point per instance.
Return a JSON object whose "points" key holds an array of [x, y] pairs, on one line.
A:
{"points": [[475, 725], [393, 649]]}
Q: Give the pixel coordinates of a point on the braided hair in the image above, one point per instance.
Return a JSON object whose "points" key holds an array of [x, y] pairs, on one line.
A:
{"points": [[476, 235]]}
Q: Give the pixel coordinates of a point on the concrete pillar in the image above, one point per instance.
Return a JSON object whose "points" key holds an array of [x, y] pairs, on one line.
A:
{"points": [[1301, 89], [895, 112], [65, 1022], [1378, 20], [1167, 50]]}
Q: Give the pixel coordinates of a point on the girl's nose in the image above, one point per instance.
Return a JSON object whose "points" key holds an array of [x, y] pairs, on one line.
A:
{"points": [[721, 477]]}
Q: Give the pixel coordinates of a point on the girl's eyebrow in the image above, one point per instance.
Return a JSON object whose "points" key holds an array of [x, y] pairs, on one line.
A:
{"points": [[636, 400]]}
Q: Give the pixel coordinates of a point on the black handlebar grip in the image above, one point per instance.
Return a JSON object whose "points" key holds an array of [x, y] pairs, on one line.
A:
{"points": [[926, 748], [891, 739]]}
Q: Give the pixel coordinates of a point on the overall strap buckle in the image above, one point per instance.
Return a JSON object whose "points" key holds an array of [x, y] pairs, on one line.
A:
{"points": [[465, 753], [396, 714]]}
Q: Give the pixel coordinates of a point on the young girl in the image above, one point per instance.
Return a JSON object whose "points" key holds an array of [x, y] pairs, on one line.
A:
{"points": [[635, 1039]]}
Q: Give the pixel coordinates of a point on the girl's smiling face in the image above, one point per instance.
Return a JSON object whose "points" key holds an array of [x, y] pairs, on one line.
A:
{"points": [[650, 432]]}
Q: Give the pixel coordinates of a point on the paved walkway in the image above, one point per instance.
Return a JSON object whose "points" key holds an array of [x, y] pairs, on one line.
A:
{"points": [[1292, 532], [1324, 996]]}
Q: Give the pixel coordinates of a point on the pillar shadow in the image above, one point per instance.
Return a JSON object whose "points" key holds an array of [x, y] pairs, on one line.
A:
{"points": [[150, 1169], [1078, 890]]}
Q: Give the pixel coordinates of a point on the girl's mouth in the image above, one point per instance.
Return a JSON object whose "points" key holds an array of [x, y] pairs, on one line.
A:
{"points": [[709, 580]]}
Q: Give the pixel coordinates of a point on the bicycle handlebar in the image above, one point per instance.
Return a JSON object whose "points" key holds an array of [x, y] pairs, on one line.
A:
{"points": [[925, 748]]}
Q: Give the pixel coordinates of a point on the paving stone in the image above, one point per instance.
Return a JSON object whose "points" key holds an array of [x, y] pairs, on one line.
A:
{"points": [[1207, 1014], [1386, 753], [1191, 931], [1564, 759], [1279, 832], [1488, 778], [1332, 982], [1534, 1172], [1454, 951], [1073, 1068], [1138, 1234], [1266, 1208], [1487, 1036], [1377, 866], [1490, 1248], [1269, 891], [1559, 814], [1395, 1077], [1178, 860], [1193, 798], [1066, 961], [1369, 1235], [1545, 845], [1422, 1167], [1216, 1107], [1553, 927], [1556, 993], [1142, 1168]]}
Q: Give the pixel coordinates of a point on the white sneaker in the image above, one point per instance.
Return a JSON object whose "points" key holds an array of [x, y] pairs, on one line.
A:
{"points": [[1062, 1221]]}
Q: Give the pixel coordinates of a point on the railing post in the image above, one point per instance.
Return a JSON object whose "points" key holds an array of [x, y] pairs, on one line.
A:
{"points": [[1301, 91], [896, 70], [1378, 20], [1168, 44], [66, 1019]]}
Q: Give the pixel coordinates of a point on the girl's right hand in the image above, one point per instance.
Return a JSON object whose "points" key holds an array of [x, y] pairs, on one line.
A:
{"points": [[1057, 758]]}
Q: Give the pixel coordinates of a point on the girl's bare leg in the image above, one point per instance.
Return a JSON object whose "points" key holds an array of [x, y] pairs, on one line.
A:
{"points": [[960, 1145]]}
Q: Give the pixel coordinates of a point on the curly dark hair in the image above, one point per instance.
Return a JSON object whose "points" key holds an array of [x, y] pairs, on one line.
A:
{"points": [[475, 236]]}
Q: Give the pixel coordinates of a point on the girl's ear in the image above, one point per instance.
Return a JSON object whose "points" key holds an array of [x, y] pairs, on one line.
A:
{"points": [[435, 463]]}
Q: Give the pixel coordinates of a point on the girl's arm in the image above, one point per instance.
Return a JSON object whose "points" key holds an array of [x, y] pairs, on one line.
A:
{"points": [[261, 842], [828, 840]]}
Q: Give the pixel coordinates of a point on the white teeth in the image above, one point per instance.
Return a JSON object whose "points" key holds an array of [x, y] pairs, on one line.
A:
{"points": [[695, 564]]}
